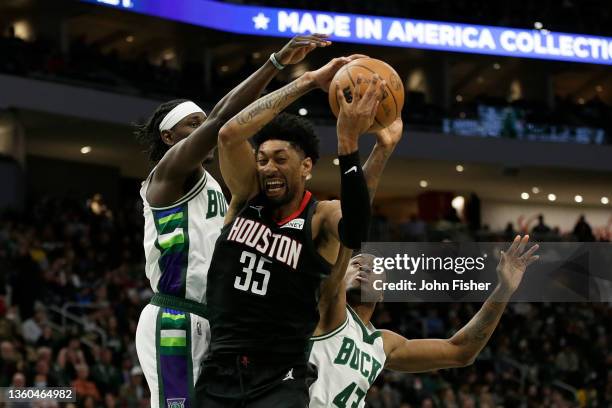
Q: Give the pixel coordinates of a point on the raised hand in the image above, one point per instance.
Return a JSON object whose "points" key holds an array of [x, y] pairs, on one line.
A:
{"points": [[300, 46], [390, 136], [514, 262], [324, 75], [357, 116]]}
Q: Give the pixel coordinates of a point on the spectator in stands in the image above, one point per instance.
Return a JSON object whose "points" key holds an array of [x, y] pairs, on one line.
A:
{"points": [[33, 327], [582, 231], [9, 360], [60, 372], [379, 228], [413, 230], [541, 228], [509, 232], [134, 391], [105, 374], [83, 387]]}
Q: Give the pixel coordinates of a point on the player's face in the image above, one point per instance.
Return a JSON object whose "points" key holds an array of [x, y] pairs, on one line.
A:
{"points": [[282, 170], [184, 128], [360, 275]]}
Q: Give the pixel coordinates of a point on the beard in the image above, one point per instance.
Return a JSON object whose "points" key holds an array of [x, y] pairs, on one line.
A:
{"points": [[277, 200]]}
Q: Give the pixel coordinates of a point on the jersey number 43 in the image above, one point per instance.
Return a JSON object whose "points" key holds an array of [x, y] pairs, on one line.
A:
{"points": [[248, 282]]}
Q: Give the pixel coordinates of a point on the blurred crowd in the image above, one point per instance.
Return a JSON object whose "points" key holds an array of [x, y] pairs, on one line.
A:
{"points": [[87, 261], [452, 227]]}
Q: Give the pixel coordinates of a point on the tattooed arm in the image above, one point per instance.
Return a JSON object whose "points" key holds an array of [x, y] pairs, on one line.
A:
{"points": [[463, 348], [332, 303], [386, 140], [235, 152]]}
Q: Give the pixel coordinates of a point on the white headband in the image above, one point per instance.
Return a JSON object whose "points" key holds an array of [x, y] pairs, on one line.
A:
{"points": [[177, 114]]}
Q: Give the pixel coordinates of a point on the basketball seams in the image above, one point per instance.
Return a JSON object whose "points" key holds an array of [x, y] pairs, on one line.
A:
{"points": [[386, 85], [348, 72]]}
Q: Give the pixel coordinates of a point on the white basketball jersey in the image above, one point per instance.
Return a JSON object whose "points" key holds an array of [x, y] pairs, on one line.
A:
{"points": [[348, 361], [179, 240]]}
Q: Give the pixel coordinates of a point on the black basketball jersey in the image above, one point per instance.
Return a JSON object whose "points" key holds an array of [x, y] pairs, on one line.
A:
{"points": [[263, 283]]}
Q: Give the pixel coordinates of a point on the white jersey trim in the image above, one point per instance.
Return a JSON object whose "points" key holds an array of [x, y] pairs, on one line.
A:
{"points": [[332, 333], [195, 190]]}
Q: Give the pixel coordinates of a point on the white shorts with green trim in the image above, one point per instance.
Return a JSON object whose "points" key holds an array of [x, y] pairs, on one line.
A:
{"points": [[171, 346]]}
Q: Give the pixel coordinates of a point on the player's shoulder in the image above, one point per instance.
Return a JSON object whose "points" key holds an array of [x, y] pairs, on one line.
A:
{"points": [[326, 207], [391, 340]]}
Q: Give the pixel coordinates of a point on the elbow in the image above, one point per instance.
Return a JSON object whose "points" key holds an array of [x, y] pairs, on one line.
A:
{"points": [[461, 356], [465, 358], [465, 361], [225, 136]]}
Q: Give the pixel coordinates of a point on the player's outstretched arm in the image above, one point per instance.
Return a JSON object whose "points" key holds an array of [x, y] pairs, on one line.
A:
{"points": [[189, 153], [235, 152], [386, 140], [463, 348], [332, 304], [349, 220]]}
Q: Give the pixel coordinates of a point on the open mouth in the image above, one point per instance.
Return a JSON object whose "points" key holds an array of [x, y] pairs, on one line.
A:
{"points": [[274, 186]]}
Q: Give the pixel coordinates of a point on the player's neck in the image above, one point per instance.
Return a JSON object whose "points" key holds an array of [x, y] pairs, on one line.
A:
{"points": [[364, 311], [286, 210]]}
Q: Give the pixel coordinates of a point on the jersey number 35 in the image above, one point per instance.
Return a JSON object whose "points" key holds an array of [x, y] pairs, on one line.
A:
{"points": [[248, 282]]}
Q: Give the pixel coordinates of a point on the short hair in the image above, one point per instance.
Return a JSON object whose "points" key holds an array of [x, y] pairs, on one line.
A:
{"points": [[293, 129], [148, 134]]}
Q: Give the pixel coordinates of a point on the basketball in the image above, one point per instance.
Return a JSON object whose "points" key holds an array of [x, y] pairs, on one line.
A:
{"points": [[390, 107]]}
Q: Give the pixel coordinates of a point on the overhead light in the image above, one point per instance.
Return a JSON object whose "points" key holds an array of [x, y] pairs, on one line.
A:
{"points": [[169, 55], [336, 162], [458, 203], [224, 68], [129, 38], [423, 183], [85, 149], [459, 168], [605, 200], [496, 66], [581, 101], [599, 88], [303, 111], [525, 195], [538, 25], [256, 54], [535, 190], [552, 197], [578, 198], [459, 98], [23, 30]]}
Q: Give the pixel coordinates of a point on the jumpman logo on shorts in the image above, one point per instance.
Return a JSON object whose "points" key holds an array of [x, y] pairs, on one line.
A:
{"points": [[289, 375]]}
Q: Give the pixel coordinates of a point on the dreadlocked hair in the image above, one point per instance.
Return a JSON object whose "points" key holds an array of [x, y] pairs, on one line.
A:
{"points": [[293, 129], [148, 134]]}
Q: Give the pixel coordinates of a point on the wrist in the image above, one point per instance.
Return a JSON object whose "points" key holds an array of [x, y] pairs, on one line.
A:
{"points": [[347, 145], [308, 79], [502, 293], [348, 160]]}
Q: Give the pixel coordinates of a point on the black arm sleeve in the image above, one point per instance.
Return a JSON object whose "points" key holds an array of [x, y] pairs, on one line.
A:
{"points": [[355, 202]]}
